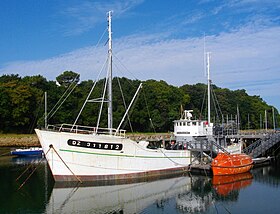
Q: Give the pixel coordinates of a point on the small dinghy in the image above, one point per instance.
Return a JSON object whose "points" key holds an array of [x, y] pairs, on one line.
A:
{"points": [[32, 151], [231, 164]]}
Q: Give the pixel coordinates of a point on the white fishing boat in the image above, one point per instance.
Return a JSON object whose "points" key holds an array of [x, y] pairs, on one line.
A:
{"points": [[84, 153]]}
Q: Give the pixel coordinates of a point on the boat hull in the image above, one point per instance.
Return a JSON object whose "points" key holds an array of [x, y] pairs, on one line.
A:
{"points": [[92, 157], [146, 175], [27, 152], [225, 164]]}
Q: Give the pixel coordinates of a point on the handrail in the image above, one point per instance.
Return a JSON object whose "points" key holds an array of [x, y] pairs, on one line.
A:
{"points": [[79, 129], [262, 144]]}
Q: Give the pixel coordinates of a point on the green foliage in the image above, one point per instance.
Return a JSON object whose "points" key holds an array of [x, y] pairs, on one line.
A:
{"points": [[155, 109], [68, 77]]}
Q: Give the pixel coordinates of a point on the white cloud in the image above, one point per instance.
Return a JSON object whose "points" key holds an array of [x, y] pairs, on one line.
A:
{"points": [[84, 16], [244, 59]]}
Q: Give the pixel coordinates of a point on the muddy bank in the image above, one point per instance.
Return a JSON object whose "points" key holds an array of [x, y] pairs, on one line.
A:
{"points": [[18, 140]]}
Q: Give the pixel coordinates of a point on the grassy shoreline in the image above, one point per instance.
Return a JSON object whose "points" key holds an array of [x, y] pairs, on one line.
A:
{"points": [[18, 140], [28, 140]]}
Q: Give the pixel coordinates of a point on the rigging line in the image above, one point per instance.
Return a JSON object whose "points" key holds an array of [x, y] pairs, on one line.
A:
{"points": [[146, 103], [217, 103], [71, 83], [94, 84], [62, 101], [31, 127], [66, 91], [215, 106], [125, 106], [124, 66], [51, 146], [133, 104], [105, 30], [103, 96], [202, 105]]}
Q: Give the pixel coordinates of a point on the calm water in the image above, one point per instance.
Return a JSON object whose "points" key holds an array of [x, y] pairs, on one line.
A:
{"points": [[255, 192]]}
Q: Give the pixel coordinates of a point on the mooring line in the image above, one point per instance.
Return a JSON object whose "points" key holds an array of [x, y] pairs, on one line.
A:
{"points": [[28, 168], [24, 172], [51, 146], [30, 173], [5, 153]]}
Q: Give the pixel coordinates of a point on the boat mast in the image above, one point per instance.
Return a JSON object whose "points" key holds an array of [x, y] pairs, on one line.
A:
{"points": [[46, 115], [208, 83], [110, 108]]}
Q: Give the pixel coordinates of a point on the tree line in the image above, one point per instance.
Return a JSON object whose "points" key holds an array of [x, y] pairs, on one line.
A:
{"points": [[157, 105]]}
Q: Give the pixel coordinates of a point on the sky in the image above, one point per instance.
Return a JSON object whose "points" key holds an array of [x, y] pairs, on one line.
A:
{"points": [[152, 39]]}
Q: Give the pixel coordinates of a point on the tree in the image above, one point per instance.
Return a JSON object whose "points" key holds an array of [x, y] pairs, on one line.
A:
{"points": [[67, 78]]}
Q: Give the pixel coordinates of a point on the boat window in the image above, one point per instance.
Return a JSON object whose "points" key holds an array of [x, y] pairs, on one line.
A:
{"points": [[188, 124]]}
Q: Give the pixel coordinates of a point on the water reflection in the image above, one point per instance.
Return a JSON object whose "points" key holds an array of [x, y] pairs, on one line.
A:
{"points": [[33, 195], [27, 160], [191, 194], [125, 198], [268, 175], [185, 194], [226, 184]]}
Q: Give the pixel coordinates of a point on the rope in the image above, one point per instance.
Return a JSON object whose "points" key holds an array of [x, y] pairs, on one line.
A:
{"points": [[5, 154], [29, 174], [51, 146], [172, 160]]}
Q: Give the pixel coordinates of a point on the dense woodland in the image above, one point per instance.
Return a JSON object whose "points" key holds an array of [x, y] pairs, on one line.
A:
{"points": [[157, 105]]}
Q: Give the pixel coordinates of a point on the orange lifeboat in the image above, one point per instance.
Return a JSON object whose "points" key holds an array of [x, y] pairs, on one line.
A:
{"points": [[228, 183], [230, 164]]}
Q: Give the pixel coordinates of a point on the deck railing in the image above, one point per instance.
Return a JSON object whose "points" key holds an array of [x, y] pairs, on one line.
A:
{"points": [[86, 129]]}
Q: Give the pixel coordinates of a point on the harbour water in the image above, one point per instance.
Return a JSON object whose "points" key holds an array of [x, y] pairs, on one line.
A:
{"points": [[255, 192]]}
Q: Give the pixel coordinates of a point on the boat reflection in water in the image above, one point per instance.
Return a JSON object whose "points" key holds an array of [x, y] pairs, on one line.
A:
{"points": [[225, 184], [125, 198], [27, 160], [206, 192], [186, 194]]}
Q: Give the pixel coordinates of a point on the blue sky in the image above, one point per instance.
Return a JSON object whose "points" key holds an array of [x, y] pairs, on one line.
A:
{"points": [[153, 39]]}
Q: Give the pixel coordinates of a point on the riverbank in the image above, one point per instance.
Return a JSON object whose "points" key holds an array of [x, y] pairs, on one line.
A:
{"points": [[28, 140], [18, 140]]}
